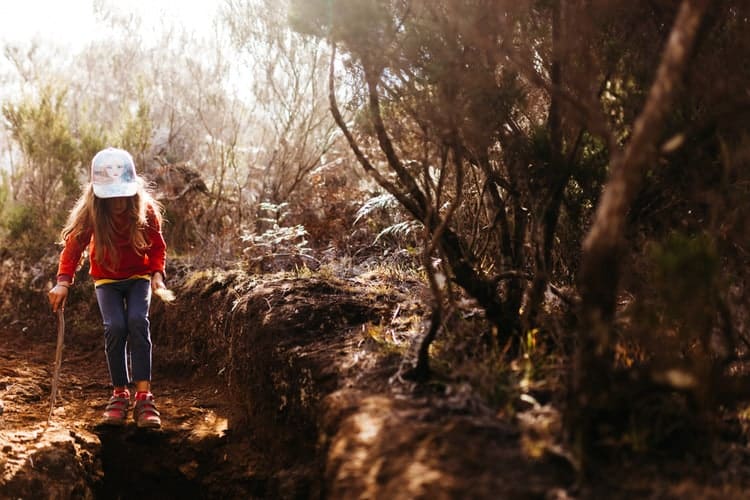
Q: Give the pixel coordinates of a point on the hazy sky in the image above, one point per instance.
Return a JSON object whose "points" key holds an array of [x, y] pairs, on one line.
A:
{"points": [[72, 22]]}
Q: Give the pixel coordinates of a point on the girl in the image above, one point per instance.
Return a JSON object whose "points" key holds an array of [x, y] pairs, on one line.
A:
{"points": [[120, 223]]}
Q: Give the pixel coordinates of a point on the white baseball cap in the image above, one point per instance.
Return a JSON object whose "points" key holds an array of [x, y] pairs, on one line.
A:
{"points": [[113, 174]]}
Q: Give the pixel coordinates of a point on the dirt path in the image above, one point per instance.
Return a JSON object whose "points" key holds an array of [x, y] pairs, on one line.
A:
{"points": [[312, 413], [72, 457], [275, 389]]}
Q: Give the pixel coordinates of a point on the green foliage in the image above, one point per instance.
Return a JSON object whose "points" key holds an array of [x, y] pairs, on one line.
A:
{"points": [[41, 127], [91, 140], [685, 270], [363, 23], [24, 234], [48, 174], [673, 317], [136, 130], [686, 290], [591, 167], [459, 358], [4, 191], [54, 159], [384, 338], [19, 221]]}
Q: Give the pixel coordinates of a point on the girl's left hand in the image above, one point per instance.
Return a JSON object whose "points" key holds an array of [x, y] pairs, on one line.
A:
{"points": [[157, 282], [160, 289]]}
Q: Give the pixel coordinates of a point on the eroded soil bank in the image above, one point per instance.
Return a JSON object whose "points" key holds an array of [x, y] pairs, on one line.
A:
{"points": [[268, 389], [280, 388]]}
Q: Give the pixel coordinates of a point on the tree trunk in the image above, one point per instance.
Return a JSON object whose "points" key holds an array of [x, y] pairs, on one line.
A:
{"points": [[604, 244], [544, 235]]}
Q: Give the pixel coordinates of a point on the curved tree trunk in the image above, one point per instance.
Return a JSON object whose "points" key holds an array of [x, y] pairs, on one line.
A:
{"points": [[604, 244]]}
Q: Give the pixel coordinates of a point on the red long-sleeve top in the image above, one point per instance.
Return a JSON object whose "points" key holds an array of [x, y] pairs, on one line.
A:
{"points": [[131, 263]]}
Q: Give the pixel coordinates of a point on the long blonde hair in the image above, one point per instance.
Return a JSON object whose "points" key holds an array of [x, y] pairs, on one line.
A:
{"points": [[93, 215]]}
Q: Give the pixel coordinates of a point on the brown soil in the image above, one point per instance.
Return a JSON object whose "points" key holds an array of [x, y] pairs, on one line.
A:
{"points": [[71, 456], [274, 389]]}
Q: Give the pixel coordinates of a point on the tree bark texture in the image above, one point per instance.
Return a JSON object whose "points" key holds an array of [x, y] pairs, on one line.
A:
{"points": [[604, 243]]}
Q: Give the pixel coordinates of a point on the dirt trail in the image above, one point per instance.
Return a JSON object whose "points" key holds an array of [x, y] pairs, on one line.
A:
{"points": [[278, 392], [274, 388], [73, 457]]}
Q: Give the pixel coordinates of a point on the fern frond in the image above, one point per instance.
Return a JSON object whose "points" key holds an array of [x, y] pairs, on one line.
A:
{"points": [[380, 202], [400, 230]]}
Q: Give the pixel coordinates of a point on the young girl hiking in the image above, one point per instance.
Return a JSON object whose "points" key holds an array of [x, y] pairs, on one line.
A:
{"points": [[120, 224]]}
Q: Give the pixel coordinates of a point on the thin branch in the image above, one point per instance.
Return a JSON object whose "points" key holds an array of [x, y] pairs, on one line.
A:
{"points": [[407, 202]]}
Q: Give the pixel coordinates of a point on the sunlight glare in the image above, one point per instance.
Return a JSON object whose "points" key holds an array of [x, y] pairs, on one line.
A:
{"points": [[74, 23]]}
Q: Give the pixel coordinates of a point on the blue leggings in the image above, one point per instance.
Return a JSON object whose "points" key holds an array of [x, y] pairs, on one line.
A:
{"points": [[124, 307]]}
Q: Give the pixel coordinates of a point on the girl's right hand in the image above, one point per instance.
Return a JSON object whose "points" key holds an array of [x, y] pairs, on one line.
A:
{"points": [[57, 296]]}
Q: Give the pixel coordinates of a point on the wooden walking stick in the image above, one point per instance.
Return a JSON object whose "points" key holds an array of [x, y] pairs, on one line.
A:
{"points": [[58, 359]]}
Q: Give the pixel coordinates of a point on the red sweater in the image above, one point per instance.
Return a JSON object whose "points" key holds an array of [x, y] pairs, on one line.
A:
{"points": [[131, 263]]}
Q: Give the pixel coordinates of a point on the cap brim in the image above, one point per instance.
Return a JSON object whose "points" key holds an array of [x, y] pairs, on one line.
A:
{"points": [[115, 190]]}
